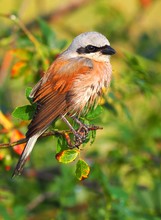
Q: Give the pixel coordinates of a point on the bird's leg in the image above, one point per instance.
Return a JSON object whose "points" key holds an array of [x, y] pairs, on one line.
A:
{"points": [[83, 129], [78, 137]]}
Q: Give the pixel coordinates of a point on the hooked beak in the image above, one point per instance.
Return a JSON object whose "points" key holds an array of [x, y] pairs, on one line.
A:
{"points": [[108, 50]]}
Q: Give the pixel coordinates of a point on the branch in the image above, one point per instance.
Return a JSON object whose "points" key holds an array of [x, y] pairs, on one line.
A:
{"points": [[24, 140], [39, 199], [47, 134]]}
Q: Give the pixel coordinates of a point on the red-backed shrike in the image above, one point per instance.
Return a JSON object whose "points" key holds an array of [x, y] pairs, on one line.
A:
{"points": [[71, 85]]}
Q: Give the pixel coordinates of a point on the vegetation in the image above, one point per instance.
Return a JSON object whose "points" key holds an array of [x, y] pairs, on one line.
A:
{"points": [[121, 162]]}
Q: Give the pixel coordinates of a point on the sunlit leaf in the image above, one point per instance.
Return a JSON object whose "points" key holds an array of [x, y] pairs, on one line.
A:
{"points": [[82, 170], [61, 144], [67, 156], [25, 112], [27, 93], [94, 113]]}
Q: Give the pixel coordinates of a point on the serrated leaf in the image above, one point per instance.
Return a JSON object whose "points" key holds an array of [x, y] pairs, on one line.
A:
{"points": [[82, 170], [94, 113], [25, 112], [67, 156]]}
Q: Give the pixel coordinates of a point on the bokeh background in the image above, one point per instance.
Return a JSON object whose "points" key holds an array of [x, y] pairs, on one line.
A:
{"points": [[125, 178]]}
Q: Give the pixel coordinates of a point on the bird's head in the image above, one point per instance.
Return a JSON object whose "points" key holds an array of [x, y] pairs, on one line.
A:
{"points": [[92, 45]]}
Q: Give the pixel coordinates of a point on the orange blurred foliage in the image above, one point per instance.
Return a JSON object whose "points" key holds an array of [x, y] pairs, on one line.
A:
{"points": [[15, 136]]}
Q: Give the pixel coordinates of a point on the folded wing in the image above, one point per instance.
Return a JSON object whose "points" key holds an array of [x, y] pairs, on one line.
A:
{"points": [[51, 92]]}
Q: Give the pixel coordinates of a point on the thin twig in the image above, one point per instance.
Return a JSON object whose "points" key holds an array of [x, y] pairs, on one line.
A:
{"points": [[47, 134], [18, 21], [39, 199], [38, 45], [24, 140]]}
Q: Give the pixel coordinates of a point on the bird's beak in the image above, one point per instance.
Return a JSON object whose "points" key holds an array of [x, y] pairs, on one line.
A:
{"points": [[108, 50]]}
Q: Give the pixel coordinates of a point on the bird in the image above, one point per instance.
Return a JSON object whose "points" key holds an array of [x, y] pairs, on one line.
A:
{"points": [[70, 87]]}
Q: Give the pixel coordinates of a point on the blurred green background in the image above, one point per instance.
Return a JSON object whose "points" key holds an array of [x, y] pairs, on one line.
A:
{"points": [[125, 178]]}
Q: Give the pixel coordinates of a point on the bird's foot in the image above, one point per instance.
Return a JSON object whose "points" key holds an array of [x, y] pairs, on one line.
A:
{"points": [[81, 135], [79, 138]]}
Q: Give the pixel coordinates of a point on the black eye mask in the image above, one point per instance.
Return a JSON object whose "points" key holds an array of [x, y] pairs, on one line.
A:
{"points": [[107, 50]]}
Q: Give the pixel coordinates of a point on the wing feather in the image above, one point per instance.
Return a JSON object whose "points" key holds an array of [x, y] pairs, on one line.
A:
{"points": [[51, 92]]}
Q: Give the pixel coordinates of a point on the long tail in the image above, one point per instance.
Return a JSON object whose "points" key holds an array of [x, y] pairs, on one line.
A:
{"points": [[26, 152]]}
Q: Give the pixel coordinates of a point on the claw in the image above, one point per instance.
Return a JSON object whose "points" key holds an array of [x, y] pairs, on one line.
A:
{"points": [[80, 134]]}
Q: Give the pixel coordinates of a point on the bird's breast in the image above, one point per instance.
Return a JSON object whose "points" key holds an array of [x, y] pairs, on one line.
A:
{"points": [[88, 87]]}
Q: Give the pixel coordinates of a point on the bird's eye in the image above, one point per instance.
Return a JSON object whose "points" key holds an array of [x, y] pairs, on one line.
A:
{"points": [[90, 49]]}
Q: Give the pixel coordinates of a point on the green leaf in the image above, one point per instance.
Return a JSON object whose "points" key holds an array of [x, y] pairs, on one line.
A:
{"points": [[67, 156], [27, 93], [61, 144], [126, 111], [82, 170], [25, 112], [48, 34], [111, 108], [94, 113], [93, 137], [61, 44]]}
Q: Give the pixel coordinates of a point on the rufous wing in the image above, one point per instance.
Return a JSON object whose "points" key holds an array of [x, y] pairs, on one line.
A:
{"points": [[51, 92]]}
